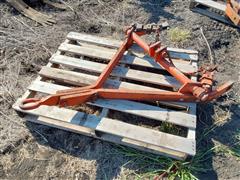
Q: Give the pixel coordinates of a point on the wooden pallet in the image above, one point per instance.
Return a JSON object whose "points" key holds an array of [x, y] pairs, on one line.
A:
{"points": [[78, 62], [203, 7]]}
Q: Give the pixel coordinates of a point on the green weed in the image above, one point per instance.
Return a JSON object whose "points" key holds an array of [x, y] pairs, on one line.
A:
{"points": [[171, 129], [233, 149], [151, 165]]}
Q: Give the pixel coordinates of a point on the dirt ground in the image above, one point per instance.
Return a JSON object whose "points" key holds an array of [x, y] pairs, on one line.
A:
{"points": [[31, 151]]}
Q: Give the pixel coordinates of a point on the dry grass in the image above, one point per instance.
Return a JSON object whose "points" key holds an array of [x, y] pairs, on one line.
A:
{"points": [[21, 54], [179, 35], [31, 160]]}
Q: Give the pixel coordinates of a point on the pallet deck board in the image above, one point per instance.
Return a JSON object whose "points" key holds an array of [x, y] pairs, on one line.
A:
{"points": [[103, 41], [149, 111], [117, 71], [212, 4], [178, 56], [107, 42], [212, 15], [81, 79], [149, 136], [80, 65], [107, 54], [111, 126], [106, 137]]}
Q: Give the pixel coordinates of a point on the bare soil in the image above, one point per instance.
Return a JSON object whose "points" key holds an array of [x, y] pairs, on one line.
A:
{"points": [[30, 151]]}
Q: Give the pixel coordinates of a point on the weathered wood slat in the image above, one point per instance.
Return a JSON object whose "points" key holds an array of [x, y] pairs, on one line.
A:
{"points": [[61, 125], [111, 126], [106, 137], [45, 87], [147, 61], [148, 111], [102, 41], [146, 135], [214, 16], [191, 133], [140, 109], [106, 54], [176, 54], [81, 79], [212, 4], [111, 43], [144, 146], [65, 76], [117, 71]]}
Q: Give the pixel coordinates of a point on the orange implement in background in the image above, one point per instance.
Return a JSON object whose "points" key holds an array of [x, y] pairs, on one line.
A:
{"points": [[228, 13], [233, 11], [190, 91]]}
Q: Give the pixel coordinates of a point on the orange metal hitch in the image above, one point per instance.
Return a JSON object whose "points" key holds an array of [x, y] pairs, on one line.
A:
{"points": [[190, 91]]}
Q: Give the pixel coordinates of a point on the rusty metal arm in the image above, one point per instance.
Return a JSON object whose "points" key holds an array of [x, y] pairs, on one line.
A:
{"points": [[189, 92]]}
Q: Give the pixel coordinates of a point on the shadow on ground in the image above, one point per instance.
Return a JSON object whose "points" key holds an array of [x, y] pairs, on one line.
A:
{"points": [[157, 10], [208, 133]]}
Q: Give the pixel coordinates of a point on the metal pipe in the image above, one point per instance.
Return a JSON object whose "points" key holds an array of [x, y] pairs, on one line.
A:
{"points": [[140, 42]]}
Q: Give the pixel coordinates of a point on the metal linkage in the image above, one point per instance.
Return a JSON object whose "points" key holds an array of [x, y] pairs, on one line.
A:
{"points": [[149, 28], [190, 91]]}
